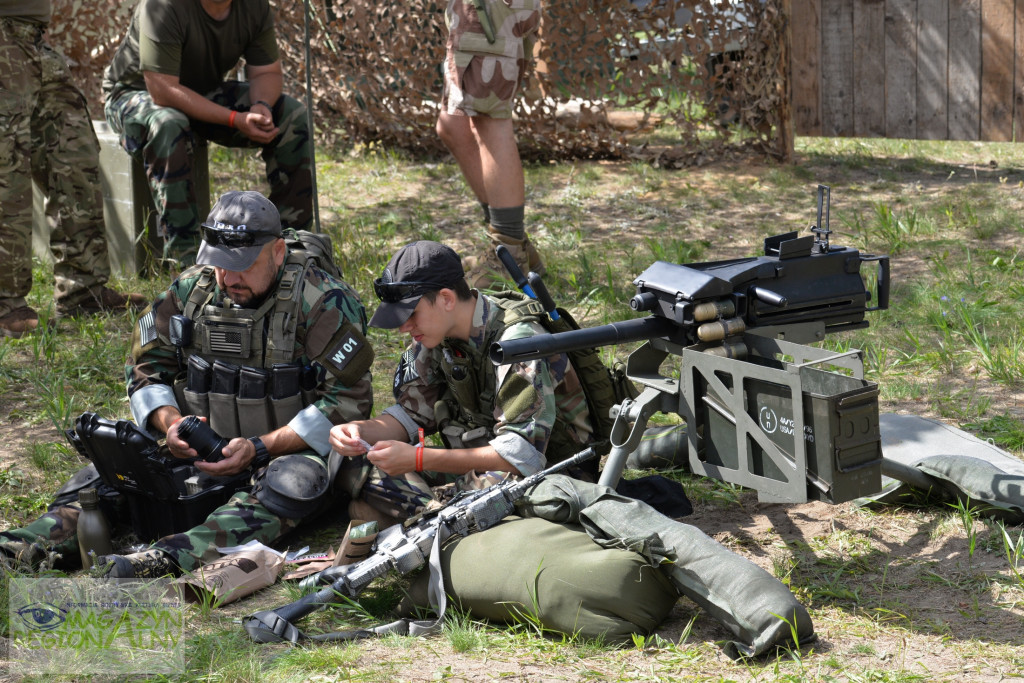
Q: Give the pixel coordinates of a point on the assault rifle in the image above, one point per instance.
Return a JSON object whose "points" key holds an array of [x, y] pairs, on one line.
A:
{"points": [[401, 548], [758, 411]]}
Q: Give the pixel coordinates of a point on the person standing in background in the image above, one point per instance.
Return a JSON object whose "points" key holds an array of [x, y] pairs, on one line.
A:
{"points": [[46, 135], [490, 44]]}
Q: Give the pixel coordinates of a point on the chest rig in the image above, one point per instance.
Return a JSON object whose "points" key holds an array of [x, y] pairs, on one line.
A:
{"points": [[465, 413], [257, 337], [251, 342]]}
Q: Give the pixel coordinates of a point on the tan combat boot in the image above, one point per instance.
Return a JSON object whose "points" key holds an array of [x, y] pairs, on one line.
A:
{"points": [[19, 321], [487, 272]]}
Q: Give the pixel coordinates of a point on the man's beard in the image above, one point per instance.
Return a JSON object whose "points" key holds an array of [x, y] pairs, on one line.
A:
{"points": [[248, 298]]}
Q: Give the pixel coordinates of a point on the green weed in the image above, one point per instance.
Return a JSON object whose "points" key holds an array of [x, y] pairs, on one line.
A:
{"points": [[463, 634], [1004, 430], [1014, 549]]}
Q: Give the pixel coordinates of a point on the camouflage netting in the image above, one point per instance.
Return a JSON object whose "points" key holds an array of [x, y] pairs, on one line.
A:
{"points": [[711, 75]]}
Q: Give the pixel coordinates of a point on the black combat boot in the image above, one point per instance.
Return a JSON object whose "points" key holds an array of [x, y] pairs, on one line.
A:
{"points": [[148, 564]]}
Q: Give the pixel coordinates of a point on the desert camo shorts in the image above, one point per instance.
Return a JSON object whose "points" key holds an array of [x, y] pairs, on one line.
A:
{"points": [[481, 78]]}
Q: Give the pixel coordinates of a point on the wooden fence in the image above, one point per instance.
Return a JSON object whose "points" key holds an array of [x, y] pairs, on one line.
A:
{"points": [[922, 69]]}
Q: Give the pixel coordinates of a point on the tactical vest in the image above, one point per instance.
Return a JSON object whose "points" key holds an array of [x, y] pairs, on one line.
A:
{"points": [[245, 349], [465, 414]]}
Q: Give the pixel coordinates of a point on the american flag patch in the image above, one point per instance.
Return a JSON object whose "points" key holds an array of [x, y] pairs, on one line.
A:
{"points": [[223, 341], [147, 329]]}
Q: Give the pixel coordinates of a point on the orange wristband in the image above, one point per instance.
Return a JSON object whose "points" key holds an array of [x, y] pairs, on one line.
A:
{"points": [[231, 119], [419, 453]]}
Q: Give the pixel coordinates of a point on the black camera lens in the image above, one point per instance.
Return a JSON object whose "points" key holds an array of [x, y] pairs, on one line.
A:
{"points": [[198, 435]]}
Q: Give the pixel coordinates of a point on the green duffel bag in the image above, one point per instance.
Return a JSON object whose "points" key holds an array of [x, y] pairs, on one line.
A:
{"points": [[532, 570]]}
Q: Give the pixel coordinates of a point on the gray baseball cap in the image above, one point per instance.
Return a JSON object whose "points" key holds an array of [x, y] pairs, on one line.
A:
{"points": [[239, 225], [416, 269]]}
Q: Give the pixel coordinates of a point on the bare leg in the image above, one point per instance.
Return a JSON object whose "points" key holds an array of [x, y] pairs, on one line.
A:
{"points": [[488, 156]]}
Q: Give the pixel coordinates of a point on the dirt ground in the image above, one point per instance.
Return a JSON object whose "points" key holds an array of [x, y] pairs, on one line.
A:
{"points": [[912, 601]]}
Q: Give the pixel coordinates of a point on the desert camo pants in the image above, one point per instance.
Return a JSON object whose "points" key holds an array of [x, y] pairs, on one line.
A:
{"points": [[164, 140], [46, 136]]}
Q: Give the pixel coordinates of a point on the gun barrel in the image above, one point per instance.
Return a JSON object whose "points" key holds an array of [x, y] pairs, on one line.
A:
{"points": [[543, 345]]}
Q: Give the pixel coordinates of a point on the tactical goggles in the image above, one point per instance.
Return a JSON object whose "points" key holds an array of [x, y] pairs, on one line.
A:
{"points": [[393, 292], [232, 238]]}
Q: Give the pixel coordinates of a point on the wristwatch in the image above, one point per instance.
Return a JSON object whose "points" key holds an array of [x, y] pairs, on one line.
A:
{"points": [[262, 458]]}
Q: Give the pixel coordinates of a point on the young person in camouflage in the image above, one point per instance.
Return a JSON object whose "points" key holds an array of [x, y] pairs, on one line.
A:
{"points": [[495, 421], [166, 87], [46, 135], [486, 57], [301, 317]]}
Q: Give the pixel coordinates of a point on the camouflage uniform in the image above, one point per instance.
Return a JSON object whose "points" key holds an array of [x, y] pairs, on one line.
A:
{"points": [[326, 305], [47, 136], [481, 78], [531, 400], [164, 139]]}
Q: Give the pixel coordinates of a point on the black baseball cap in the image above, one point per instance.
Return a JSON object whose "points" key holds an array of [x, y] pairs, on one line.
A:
{"points": [[238, 226], [416, 269]]}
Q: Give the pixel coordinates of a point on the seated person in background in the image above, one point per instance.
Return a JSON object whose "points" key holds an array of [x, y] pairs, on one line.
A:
{"points": [[495, 422], [165, 88], [298, 318]]}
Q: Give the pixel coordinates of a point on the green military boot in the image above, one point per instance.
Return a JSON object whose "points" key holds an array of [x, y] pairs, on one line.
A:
{"points": [[489, 273], [148, 564]]}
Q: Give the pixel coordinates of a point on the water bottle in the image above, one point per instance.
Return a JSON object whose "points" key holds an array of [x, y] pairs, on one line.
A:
{"points": [[93, 531]]}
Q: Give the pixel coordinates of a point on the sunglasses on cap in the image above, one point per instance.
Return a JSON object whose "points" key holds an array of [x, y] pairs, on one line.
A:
{"points": [[231, 238], [393, 292]]}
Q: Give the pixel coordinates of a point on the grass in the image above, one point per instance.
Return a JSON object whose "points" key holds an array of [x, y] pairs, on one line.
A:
{"points": [[949, 347]]}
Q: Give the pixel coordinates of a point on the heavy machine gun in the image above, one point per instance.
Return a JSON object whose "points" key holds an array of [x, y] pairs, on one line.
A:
{"points": [[762, 409]]}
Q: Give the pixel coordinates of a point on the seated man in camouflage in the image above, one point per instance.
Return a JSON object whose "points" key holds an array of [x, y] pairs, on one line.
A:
{"points": [[297, 318], [494, 421]]}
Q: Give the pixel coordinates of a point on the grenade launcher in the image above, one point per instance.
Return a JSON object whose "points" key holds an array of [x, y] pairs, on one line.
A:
{"points": [[762, 409]]}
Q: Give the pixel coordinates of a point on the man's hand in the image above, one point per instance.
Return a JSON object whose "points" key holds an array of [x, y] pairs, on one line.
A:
{"points": [[257, 124], [237, 455], [394, 458], [178, 447], [347, 440]]}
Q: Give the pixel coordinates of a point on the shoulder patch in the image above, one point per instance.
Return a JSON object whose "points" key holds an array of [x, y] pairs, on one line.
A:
{"points": [[348, 355], [147, 329], [406, 370]]}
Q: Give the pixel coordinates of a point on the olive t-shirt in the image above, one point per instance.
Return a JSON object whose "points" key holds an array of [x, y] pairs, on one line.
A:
{"points": [[179, 38], [32, 10]]}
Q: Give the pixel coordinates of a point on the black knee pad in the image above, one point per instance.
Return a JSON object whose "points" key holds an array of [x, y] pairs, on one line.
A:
{"points": [[293, 486]]}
